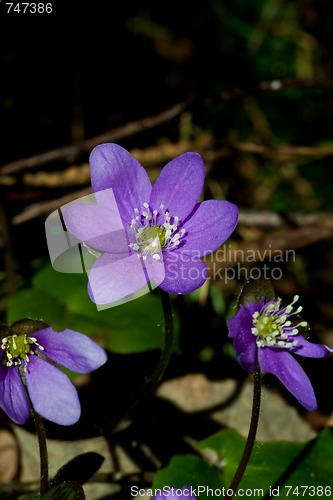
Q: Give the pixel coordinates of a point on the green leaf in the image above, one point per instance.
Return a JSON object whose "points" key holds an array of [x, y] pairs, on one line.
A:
{"points": [[314, 465], [188, 470], [31, 303], [65, 491], [276, 463], [79, 469], [62, 301], [268, 460]]}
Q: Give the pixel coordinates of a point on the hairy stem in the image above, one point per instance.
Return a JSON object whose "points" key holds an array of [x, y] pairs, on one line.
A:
{"points": [[158, 373], [44, 466], [41, 436], [251, 435]]}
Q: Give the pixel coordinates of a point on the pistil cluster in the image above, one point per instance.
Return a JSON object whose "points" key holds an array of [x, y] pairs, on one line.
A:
{"points": [[272, 325], [153, 236]]}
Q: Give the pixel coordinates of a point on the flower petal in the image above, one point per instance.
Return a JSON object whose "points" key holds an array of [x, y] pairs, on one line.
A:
{"points": [[111, 281], [282, 364], [51, 392], [182, 276], [209, 226], [308, 349], [244, 341], [179, 185], [98, 227], [71, 349], [111, 166], [154, 269], [13, 399]]}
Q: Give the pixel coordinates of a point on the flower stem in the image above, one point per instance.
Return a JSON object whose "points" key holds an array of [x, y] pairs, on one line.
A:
{"points": [[166, 348], [168, 340], [41, 436], [44, 467], [166, 352], [251, 435]]}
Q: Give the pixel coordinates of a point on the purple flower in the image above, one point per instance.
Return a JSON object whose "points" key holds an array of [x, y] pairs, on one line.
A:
{"points": [[185, 493], [266, 331], [31, 353], [163, 225]]}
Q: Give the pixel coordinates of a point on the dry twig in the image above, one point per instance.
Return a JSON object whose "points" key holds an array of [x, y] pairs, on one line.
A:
{"points": [[73, 151]]}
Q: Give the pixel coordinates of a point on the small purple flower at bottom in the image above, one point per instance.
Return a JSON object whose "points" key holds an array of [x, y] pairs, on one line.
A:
{"points": [[31, 353], [184, 493], [265, 331]]}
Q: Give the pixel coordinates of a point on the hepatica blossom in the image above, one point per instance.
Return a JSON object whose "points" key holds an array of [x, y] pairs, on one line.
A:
{"points": [[270, 332], [163, 230], [31, 353]]}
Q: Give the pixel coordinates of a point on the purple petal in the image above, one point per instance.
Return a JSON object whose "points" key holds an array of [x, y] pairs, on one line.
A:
{"points": [[308, 349], [244, 341], [182, 276], [282, 364], [111, 166], [51, 392], [110, 280], [209, 226], [13, 399], [155, 270], [71, 349], [179, 185], [98, 227]]}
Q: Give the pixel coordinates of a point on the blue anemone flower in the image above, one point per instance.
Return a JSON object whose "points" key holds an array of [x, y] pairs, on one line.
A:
{"points": [[162, 228], [266, 331], [30, 356]]}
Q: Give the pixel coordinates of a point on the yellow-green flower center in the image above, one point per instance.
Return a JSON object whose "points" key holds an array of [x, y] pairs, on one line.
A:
{"points": [[272, 326], [17, 348], [149, 235], [267, 325], [154, 231]]}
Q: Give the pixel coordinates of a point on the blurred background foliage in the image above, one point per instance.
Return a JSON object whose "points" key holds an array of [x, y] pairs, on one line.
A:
{"points": [[254, 85]]}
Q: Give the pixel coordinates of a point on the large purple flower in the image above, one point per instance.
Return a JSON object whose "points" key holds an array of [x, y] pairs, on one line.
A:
{"points": [[30, 355], [266, 331], [163, 225]]}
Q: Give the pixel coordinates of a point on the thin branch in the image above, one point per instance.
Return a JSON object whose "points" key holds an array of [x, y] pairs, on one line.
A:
{"points": [[270, 244], [274, 220], [274, 86], [285, 150], [7, 251], [44, 208], [297, 83], [73, 151]]}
